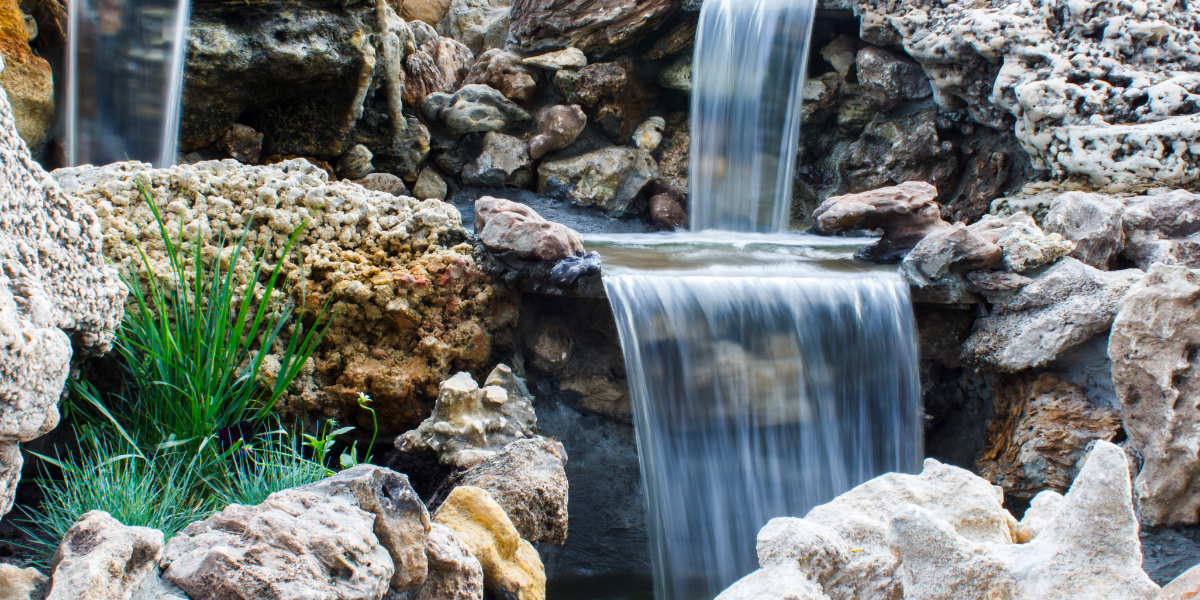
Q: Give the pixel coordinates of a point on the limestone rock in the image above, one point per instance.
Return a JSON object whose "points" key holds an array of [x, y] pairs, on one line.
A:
{"points": [[888, 80], [438, 66], [474, 108], [101, 559], [906, 213], [383, 182], [527, 479], [649, 135], [470, 424], [1024, 244], [609, 178], [298, 543], [454, 574], [56, 293], [355, 163], [557, 127], [781, 582], [511, 566], [1184, 587], [399, 278], [1153, 348], [504, 161], [240, 143], [505, 72], [27, 81], [430, 186], [1092, 222], [600, 27], [677, 75], [21, 584], [842, 53], [430, 11], [506, 226], [567, 58], [1064, 306], [1040, 434], [1162, 229], [479, 24]]}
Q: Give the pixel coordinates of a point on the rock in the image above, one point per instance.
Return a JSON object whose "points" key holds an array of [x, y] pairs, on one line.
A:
{"points": [[678, 76], [383, 182], [57, 294], [1184, 587], [1024, 244], [667, 207], [470, 424], [355, 163], [528, 481], [609, 178], [591, 84], [674, 156], [504, 161], [395, 269], [557, 127], [842, 54], [27, 82], [548, 344], [401, 521], [479, 24], [430, 186], [998, 281], [429, 11], [1040, 514], [906, 213], [297, 543], [616, 95], [956, 247], [474, 108], [780, 582], [567, 58], [454, 574], [505, 72], [602, 27], [1064, 306], [438, 66], [681, 37], [511, 567], [649, 135], [1040, 434], [21, 584], [101, 559], [240, 143], [1162, 229], [1092, 222], [506, 226], [888, 80], [154, 588], [1153, 347], [895, 150]]}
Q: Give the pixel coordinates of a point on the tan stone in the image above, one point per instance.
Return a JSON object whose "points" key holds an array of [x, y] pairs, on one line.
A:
{"points": [[101, 559], [509, 563], [429, 11], [1184, 587], [26, 78], [21, 584], [438, 65], [906, 213], [453, 573]]}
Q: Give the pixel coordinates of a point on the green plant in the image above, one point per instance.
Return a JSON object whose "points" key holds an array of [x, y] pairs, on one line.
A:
{"points": [[350, 457], [272, 464]]}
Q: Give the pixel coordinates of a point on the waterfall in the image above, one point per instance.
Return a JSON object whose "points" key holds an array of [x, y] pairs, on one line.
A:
{"points": [[747, 89], [124, 80]]}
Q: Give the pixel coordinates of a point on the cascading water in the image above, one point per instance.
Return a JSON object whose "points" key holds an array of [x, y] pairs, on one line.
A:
{"points": [[768, 372], [124, 80]]}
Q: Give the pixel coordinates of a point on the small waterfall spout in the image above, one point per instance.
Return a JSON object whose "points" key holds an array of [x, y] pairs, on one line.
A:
{"points": [[124, 80]]}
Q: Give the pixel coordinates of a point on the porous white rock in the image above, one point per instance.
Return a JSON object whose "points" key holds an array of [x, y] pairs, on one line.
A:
{"points": [[101, 559]]}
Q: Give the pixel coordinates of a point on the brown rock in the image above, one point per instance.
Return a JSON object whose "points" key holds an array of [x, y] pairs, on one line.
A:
{"points": [[667, 206], [1184, 587], [985, 177], [602, 27], [242, 143], [26, 79], [681, 37], [906, 213], [949, 249], [593, 83], [616, 101], [527, 479], [438, 65], [887, 79], [557, 127], [384, 182], [316, 162], [891, 151], [429, 11], [675, 151], [504, 226], [1041, 431], [504, 71]]}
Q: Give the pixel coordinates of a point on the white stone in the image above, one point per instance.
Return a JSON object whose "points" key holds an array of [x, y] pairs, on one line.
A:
{"points": [[101, 559]]}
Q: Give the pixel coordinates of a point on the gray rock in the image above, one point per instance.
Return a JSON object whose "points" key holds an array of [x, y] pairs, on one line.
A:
{"points": [[384, 182], [527, 479], [504, 161], [1092, 222], [1163, 229], [678, 76], [479, 24], [474, 108], [602, 27], [557, 127], [1065, 305], [355, 163], [888, 80], [505, 72], [101, 559], [430, 185], [609, 178], [453, 573], [154, 588]]}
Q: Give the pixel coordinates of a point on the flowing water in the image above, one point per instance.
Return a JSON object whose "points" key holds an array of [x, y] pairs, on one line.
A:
{"points": [[124, 80]]}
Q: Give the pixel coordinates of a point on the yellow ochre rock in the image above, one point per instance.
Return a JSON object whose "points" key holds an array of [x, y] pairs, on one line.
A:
{"points": [[509, 562]]}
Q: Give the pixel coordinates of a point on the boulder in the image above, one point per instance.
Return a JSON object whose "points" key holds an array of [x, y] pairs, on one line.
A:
{"points": [[511, 566], [603, 27], [1065, 305], [1153, 348], [469, 424], [528, 481], [504, 160], [895, 149], [383, 182], [505, 72], [479, 24], [430, 11], [437, 66], [1162, 229], [474, 108], [21, 584], [842, 54], [649, 134], [888, 80], [957, 248], [557, 127], [609, 178], [26, 79], [58, 294], [430, 185], [567, 58], [241, 143], [454, 574], [906, 213], [101, 559], [355, 163], [778, 582], [1093, 223], [506, 226]]}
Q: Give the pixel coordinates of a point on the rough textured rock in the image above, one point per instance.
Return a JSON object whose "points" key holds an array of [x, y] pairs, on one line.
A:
{"points": [[504, 160], [410, 304], [56, 293], [479, 24], [1040, 434], [1024, 244], [101, 559], [355, 163], [154, 588], [384, 182], [887, 79], [906, 213], [616, 95], [1162, 229], [430, 185], [511, 567], [527, 479], [677, 75], [668, 206], [674, 153], [649, 135], [470, 424], [474, 108], [430, 11], [893, 151], [454, 574], [557, 127], [506, 226], [504, 71], [1153, 348], [957, 247], [438, 65], [26, 79], [241, 143], [567, 58], [602, 27], [680, 38], [1092, 222], [609, 178], [779, 582], [1064, 306], [1184, 587], [22, 584]]}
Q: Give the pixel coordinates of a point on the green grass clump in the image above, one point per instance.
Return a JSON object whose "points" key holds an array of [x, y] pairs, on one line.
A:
{"points": [[273, 464]]}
